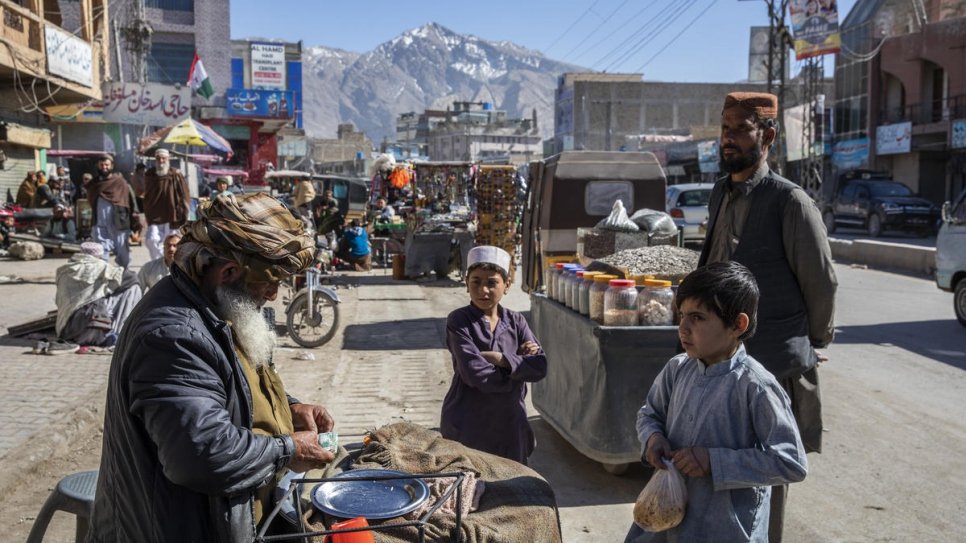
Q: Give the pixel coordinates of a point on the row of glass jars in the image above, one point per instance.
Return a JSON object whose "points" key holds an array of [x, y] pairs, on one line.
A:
{"points": [[609, 300]]}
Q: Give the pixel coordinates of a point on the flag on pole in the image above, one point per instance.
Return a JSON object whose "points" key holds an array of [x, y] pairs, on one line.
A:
{"points": [[198, 78]]}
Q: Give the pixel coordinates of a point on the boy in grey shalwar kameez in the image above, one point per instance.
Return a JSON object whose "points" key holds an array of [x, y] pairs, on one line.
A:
{"points": [[719, 415]]}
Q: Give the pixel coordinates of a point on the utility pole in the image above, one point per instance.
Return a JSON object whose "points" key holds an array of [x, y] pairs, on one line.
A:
{"points": [[779, 43], [813, 122]]}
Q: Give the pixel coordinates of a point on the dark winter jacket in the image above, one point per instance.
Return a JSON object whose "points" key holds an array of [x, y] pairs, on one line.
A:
{"points": [[179, 461]]}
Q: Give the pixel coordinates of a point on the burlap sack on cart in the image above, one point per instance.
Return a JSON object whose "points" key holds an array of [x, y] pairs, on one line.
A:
{"points": [[517, 504]]}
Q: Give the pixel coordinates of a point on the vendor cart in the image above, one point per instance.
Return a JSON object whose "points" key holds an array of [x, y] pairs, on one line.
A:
{"points": [[599, 379], [600, 375]]}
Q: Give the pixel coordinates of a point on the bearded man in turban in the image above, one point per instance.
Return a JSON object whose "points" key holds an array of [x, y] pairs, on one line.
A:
{"points": [[198, 425]]}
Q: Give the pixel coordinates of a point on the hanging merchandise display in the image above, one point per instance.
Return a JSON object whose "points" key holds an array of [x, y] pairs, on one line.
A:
{"points": [[499, 208]]}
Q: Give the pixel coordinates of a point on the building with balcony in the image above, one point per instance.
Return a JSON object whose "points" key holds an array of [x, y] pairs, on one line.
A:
{"points": [[901, 93], [152, 44], [53, 53], [413, 131], [474, 131]]}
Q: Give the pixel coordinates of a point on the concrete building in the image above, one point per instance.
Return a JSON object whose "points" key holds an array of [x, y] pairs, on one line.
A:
{"points": [[152, 44], [264, 97], [474, 131], [621, 112], [53, 53], [347, 154], [413, 131], [901, 87]]}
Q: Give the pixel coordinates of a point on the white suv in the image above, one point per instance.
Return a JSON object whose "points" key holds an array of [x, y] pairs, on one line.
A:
{"points": [[951, 254]]}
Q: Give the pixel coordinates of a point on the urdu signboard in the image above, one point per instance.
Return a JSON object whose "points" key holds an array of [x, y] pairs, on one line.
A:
{"points": [[892, 139], [268, 66], [69, 56], [151, 104]]}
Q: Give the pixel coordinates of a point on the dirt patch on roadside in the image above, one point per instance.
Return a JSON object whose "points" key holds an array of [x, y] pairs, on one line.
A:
{"points": [[44, 461]]}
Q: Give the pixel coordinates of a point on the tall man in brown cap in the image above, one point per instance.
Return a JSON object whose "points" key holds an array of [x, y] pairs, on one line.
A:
{"points": [[770, 225], [198, 425]]}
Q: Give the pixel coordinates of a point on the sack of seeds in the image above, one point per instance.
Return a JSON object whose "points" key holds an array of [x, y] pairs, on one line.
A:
{"points": [[617, 220], [660, 506], [654, 222]]}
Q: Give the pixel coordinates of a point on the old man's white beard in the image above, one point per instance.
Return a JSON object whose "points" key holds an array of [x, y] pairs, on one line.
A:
{"points": [[163, 169], [252, 332]]}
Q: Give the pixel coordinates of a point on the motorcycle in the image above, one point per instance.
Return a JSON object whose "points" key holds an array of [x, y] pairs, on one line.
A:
{"points": [[312, 312]]}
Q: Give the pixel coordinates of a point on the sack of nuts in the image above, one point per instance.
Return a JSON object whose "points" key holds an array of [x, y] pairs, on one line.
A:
{"points": [[660, 506]]}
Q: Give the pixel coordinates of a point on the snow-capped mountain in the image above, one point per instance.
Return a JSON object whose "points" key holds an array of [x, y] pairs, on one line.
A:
{"points": [[427, 67]]}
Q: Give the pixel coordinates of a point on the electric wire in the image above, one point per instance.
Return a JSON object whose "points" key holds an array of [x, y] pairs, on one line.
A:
{"points": [[596, 28], [663, 25], [627, 21], [678, 35], [641, 31], [572, 25]]}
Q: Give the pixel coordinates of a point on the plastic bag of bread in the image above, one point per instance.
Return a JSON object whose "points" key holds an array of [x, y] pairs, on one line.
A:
{"points": [[660, 506]]}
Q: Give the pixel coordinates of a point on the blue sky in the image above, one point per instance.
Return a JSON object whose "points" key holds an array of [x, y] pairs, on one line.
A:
{"points": [[712, 45]]}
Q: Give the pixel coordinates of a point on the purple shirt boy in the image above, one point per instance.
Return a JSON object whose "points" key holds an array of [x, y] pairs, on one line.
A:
{"points": [[484, 408]]}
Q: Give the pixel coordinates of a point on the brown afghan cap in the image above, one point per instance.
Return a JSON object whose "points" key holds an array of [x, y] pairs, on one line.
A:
{"points": [[763, 104]]}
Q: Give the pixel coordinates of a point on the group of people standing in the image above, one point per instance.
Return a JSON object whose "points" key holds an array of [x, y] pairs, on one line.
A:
{"points": [[198, 426], [94, 297]]}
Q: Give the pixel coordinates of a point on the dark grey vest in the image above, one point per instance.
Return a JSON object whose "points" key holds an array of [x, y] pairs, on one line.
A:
{"points": [[781, 341]]}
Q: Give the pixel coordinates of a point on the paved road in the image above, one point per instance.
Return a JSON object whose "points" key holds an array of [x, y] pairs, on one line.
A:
{"points": [[894, 390]]}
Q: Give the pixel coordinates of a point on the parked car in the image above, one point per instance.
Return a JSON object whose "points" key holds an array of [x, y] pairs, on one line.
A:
{"points": [[951, 254], [879, 204], [687, 204]]}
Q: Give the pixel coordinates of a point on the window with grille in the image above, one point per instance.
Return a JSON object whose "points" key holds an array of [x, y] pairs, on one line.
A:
{"points": [[170, 63]]}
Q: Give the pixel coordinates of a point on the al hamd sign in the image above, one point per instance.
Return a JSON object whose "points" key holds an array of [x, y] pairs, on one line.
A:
{"points": [[268, 66], [151, 104]]}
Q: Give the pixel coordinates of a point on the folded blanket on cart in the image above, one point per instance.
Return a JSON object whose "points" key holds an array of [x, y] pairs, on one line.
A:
{"points": [[517, 504]]}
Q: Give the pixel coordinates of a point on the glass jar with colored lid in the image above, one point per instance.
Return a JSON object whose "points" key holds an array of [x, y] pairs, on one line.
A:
{"points": [[655, 304], [583, 291], [558, 282], [620, 303], [595, 300], [573, 290], [548, 274]]}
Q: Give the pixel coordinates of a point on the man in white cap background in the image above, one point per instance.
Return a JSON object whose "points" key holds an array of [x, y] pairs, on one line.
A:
{"points": [[94, 297], [166, 202], [494, 355]]}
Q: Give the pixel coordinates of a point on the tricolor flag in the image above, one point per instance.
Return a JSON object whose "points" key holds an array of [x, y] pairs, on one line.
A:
{"points": [[198, 78]]}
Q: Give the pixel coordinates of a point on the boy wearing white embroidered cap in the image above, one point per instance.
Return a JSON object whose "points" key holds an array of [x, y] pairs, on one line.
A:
{"points": [[494, 355]]}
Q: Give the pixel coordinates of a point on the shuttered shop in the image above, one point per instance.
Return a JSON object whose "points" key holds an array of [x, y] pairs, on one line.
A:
{"points": [[20, 160]]}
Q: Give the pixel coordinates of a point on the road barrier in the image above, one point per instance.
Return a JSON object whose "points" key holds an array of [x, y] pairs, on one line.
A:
{"points": [[879, 254]]}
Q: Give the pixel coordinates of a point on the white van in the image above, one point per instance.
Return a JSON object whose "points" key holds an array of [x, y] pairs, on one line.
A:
{"points": [[951, 254]]}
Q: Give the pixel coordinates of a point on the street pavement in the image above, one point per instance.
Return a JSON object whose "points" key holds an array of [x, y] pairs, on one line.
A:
{"points": [[892, 389]]}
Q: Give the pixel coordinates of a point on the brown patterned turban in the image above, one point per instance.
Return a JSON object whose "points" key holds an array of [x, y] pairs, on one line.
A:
{"points": [[254, 230]]}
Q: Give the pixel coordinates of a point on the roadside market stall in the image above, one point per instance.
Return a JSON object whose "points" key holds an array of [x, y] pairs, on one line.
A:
{"points": [[440, 231]]}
